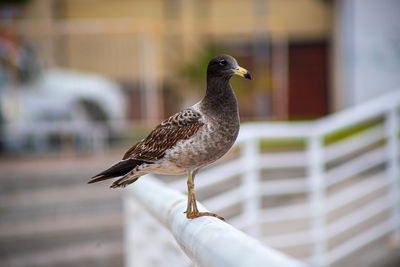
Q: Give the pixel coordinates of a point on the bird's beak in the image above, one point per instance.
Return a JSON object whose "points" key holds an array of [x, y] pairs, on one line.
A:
{"points": [[242, 72]]}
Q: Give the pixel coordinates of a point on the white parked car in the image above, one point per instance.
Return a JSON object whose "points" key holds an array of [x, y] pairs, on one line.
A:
{"points": [[61, 102]]}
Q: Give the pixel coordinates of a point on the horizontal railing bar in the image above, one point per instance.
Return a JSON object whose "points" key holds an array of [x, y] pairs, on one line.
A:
{"points": [[225, 199], [283, 187], [212, 176], [207, 240], [354, 143], [235, 196], [282, 160], [273, 215], [226, 171], [288, 240], [356, 166], [357, 217], [292, 212], [346, 196], [359, 241], [275, 130], [362, 112]]}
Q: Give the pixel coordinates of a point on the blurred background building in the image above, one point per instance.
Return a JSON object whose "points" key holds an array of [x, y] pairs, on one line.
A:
{"points": [[80, 80], [308, 57]]}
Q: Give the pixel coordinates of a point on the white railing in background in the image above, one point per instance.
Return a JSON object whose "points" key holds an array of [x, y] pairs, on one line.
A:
{"points": [[311, 195]]}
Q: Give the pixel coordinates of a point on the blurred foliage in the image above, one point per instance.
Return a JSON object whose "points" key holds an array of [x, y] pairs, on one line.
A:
{"points": [[269, 145], [298, 143], [352, 130]]}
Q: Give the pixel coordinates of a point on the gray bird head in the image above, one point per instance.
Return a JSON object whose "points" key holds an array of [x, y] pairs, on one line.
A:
{"points": [[226, 66]]}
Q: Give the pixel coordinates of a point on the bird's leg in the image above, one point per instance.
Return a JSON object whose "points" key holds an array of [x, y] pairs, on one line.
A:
{"points": [[190, 186], [194, 213]]}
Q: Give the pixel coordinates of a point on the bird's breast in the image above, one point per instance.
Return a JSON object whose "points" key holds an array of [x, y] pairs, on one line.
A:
{"points": [[210, 143]]}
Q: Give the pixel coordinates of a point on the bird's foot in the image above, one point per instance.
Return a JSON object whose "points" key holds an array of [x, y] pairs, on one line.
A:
{"points": [[193, 215]]}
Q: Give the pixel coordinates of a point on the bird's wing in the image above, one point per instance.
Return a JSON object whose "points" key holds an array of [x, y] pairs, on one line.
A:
{"points": [[180, 126]]}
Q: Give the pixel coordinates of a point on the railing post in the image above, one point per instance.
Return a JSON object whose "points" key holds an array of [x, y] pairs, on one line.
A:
{"points": [[317, 198], [250, 181], [392, 128]]}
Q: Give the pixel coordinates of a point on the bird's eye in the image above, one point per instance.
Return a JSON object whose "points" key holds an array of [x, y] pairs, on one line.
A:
{"points": [[222, 62]]}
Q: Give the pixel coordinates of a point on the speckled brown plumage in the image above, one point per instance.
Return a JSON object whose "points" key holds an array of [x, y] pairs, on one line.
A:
{"points": [[190, 139], [180, 126]]}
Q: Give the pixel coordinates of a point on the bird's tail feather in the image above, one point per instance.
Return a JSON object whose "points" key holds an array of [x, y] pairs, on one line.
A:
{"points": [[124, 181], [119, 169]]}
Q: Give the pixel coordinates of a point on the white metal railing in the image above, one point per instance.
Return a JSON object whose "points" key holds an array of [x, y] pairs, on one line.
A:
{"points": [[329, 196], [208, 241]]}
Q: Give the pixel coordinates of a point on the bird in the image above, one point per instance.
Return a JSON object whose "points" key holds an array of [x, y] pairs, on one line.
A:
{"points": [[188, 140]]}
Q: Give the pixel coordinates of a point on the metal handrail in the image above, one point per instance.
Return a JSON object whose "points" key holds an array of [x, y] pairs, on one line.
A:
{"points": [[207, 241]]}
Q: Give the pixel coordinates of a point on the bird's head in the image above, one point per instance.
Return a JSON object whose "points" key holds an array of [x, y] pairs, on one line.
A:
{"points": [[226, 66]]}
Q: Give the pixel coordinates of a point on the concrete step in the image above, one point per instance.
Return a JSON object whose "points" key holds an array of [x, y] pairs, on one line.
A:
{"points": [[63, 225], [15, 247], [36, 173], [50, 216], [57, 200], [40, 241], [107, 253]]}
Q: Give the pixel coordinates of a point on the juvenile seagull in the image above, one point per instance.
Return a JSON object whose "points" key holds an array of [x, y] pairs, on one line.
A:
{"points": [[190, 139]]}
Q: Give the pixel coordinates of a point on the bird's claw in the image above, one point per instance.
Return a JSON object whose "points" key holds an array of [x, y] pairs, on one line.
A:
{"points": [[194, 215]]}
